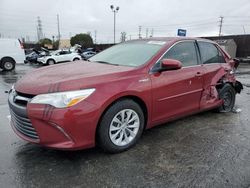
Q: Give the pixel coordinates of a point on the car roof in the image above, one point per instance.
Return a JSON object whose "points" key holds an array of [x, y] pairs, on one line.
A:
{"points": [[171, 39]]}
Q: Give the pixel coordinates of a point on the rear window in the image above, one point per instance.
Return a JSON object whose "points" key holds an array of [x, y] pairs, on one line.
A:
{"points": [[210, 53]]}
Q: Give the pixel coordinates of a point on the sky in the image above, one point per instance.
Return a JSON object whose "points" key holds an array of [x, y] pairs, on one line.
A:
{"points": [[18, 18]]}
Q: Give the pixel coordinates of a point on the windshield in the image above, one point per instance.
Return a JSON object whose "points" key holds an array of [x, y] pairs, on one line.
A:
{"points": [[129, 54]]}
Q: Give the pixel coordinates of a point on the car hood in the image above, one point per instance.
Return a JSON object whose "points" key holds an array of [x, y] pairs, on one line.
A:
{"points": [[69, 76]]}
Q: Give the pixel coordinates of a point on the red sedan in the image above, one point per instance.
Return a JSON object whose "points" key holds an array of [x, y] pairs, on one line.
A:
{"points": [[110, 99]]}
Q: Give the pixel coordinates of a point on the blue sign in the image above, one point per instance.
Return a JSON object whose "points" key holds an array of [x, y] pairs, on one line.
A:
{"points": [[181, 32]]}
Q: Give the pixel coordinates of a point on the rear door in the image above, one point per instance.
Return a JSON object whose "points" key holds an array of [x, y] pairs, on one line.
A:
{"points": [[64, 56], [212, 60], [178, 92]]}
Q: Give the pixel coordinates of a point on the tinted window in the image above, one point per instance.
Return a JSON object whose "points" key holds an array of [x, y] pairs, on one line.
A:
{"points": [[64, 52], [210, 53], [185, 52]]}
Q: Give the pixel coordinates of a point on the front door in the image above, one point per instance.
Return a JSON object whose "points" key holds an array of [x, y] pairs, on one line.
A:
{"points": [[178, 92]]}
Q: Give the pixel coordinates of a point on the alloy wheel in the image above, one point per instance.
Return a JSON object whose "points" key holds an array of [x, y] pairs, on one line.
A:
{"points": [[124, 127]]}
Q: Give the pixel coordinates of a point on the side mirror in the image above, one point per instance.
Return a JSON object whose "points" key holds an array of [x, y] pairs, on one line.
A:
{"points": [[170, 64]]}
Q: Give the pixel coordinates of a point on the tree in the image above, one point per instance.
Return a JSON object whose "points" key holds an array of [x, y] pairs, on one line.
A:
{"points": [[45, 41], [56, 44], [82, 39]]}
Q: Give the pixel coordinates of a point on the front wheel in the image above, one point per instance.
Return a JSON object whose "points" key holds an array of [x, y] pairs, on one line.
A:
{"points": [[51, 62], [227, 94], [121, 126]]}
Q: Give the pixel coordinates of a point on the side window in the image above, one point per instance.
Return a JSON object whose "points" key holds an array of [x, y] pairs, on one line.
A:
{"points": [[185, 52], [210, 53], [221, 58], [64, 52]]}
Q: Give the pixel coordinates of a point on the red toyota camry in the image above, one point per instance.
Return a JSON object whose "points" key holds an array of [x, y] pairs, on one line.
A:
{"points": [[110, 99]]}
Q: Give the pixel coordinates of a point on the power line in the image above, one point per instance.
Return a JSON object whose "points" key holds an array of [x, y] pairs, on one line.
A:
{"points": [[178, 24]]}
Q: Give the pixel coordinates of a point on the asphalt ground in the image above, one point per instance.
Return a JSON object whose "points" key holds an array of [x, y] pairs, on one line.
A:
{"points": [[204, 150]]}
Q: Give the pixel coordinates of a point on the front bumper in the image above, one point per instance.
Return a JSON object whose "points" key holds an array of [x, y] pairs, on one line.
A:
{"points": [[43, 61], [68, 128]]}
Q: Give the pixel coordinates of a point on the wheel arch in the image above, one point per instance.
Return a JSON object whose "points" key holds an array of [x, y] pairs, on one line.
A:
{"points": [[75, 58], [50, 59], [7, 57], [236, 85], [136, 99]]}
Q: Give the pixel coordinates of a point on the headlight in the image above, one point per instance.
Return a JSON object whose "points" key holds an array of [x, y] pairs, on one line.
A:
{"points": [[62, 99], [12, 90]]}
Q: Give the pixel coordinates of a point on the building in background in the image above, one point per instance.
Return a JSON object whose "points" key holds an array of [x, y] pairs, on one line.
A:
{"points": [[242, 43], [229, 46], [64, 43]]}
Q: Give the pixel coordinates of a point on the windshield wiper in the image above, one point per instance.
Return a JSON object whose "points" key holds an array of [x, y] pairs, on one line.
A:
{"points": [[104, 62]]}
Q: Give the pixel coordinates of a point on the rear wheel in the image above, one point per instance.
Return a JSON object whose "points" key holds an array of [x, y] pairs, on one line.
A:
{"points": [[8, 64], [121, 126], [227, 93], [76, 59]]}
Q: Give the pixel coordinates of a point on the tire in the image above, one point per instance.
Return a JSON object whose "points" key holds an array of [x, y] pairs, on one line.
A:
{"points": [[51, 62], [8, 64], [76, 59], [124, 135], [227, 93]]}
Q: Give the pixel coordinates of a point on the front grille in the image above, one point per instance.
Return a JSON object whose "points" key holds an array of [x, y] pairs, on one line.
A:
{"points": [[22, 98], [23, 125]]}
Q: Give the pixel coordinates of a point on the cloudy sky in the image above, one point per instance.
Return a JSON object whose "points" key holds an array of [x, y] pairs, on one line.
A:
{"points": [[18, 18]]}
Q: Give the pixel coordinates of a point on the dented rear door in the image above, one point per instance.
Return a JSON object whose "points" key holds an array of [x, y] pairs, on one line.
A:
{"points": [[212, 60]]}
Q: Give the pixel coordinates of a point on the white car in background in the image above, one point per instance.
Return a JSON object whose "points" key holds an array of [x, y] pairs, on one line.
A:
{"points": [[11, 52], [88, 54], [59, 56]]}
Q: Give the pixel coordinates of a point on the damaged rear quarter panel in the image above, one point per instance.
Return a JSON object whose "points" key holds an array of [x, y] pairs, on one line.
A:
{"points": [[215, 76]]}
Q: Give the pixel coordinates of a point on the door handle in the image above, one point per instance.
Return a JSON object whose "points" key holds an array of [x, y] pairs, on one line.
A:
{"points": [[198, 74]]}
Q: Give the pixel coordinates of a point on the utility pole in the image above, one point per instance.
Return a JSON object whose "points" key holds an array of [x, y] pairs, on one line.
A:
{"points": [[95, 36], [53, 39], [152, 32], [139, 32], [58, 29], [220, 26], [147, 33], [244, 29], [123, 36], [39, 29], [114, 10]]}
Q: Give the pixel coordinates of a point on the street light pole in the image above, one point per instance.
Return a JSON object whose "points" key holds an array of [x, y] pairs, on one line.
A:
{"points": [[114, 10]]}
